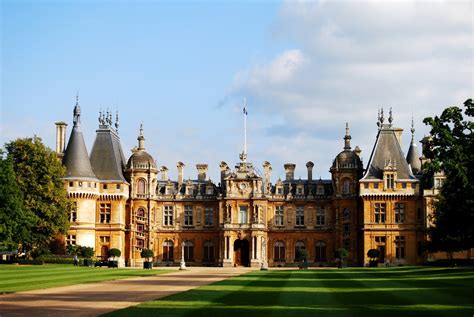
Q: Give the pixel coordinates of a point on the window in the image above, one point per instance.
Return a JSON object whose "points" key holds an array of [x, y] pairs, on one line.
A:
{"points": [[346, 230], [299, 216], [399, 213], [404, 185], [118, 186], [71, 239], [189, 190], [141, 187], [140, 243], [299, 247], [168, 216], [243, 214], [366, 185], [208, 217], [320, 216], [279, 252], [280, 191], [104, 212], [208, 255], [168, 250], [400, 247], [299, 191], [380, 212], [209, 190], [104, 239], [389, 181], [105, 186], [279, 216], [376, 185], [320, 251], [346, 187], [71, 184], [380, 239], [188, 215], [141, 212], [188, 251], [73, 217], [346, 215], [140, 227], [320, 190]]}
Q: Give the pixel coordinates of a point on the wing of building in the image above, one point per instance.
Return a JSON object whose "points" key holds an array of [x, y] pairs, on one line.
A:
{"points": [[245, 219]]}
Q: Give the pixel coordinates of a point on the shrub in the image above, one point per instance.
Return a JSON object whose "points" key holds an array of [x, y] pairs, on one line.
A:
{"points": [[113, 253], [30, 262], [146, 254], [54, 259], [87, 252], [301, 255]]}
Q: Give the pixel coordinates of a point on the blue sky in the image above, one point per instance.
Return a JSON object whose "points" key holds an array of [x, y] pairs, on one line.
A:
{"points": [[182, 69]]}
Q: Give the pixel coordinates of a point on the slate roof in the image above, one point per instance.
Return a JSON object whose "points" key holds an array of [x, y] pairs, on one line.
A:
{"points": [[107, 158], [387, 148], [75, 157]]}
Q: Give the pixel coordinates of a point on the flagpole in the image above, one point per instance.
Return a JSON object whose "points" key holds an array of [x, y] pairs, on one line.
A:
{"points": [[245, 126]]}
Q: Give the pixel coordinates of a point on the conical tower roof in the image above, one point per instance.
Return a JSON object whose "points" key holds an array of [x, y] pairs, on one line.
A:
{"points": [[413, 157], [75, 158]]}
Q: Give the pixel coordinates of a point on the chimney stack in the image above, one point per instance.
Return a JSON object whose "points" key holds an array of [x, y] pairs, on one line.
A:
{"points": [[267, 167], [290, 171], [164, 173], [60, 137], [202, 170], [310, 166], [180, 166], [398, 133]]}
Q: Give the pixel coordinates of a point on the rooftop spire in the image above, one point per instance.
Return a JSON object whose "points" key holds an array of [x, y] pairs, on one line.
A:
{"points": [[413, 158], [347, 138], [77, 112], [412, 131], [141, 139], [243, 155], [116, 121], [390, 118]]}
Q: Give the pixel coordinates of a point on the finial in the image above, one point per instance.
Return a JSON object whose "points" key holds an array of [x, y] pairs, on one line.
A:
{"points": [[141, 138], [412, 125], [110, 118], [347, 138], [382, 119], [141, 129], [378, 117], [76, 113], [100, 116], [77, 97], [116, 121], [390, 118]]}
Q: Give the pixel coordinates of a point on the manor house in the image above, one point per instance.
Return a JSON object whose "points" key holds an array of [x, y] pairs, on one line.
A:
{"points": [[245, 219]]}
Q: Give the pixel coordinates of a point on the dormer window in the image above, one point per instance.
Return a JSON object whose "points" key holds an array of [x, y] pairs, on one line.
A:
{"points": [[189, 190], [389, 181], [209, 190], [299, 191], [280, 191], [320, 190]]}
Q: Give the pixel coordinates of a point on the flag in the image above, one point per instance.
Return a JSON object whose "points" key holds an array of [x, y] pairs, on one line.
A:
{"points": [[245, 106], [245, 111]]}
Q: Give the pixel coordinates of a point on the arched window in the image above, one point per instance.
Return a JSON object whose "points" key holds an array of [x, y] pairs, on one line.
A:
{"points": [[168, 250], [188, 250], [346, 188], [320, 251], [141, 187], [208, 251], [299, 247], [279, 252], [140, 212]]}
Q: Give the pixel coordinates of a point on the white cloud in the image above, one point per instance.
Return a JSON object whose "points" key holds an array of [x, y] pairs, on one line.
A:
{"points": [[348, 59]]}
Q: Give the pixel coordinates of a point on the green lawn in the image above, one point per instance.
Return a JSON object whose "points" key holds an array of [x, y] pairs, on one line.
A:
{"points": [[401, 292], [16, 278]]}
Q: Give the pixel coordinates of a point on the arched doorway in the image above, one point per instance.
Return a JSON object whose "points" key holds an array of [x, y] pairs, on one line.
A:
{"points": [[241, 252]]}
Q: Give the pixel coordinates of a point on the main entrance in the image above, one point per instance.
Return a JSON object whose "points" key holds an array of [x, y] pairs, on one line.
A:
{"points": [[241, 252]]}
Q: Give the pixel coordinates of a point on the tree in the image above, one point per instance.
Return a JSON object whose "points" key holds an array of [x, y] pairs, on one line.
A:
{"points": [[14, 219], [146, 254], [39, 175], [342, 254], [87, 252], [451, 150], [115, 253]]}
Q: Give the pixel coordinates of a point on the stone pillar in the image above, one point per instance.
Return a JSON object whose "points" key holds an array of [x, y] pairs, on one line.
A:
{"points": [[164, 173]]}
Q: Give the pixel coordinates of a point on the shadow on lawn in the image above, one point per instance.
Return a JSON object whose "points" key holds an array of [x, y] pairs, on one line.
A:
{"points": [[351, 292]]}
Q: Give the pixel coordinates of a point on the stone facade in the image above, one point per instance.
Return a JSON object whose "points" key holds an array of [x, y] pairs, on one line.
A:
{"points": [[244, 219]]}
